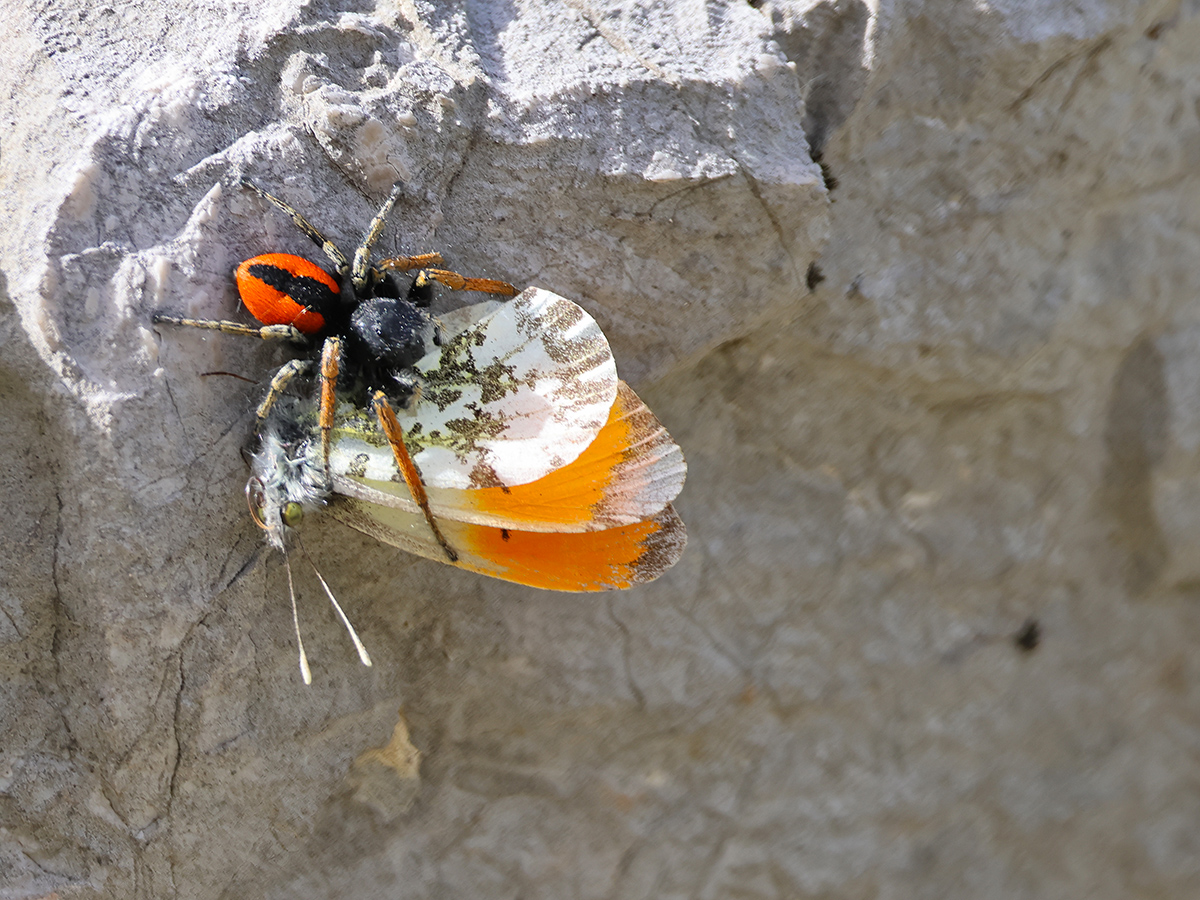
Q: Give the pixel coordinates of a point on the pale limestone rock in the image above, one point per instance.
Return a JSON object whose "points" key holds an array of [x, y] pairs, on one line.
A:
{"points": [[988, 410]]}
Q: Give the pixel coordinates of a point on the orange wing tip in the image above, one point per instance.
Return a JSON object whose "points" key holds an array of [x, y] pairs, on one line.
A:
{"points": [[626, 475], [614, 559]]}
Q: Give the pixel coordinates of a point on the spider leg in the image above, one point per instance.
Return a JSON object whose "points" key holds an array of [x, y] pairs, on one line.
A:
{"points": [[331, 360], [360, 272], [461, 283], [395, 436], [279, 383], [329, 247], [266, 332], [408, 263]]}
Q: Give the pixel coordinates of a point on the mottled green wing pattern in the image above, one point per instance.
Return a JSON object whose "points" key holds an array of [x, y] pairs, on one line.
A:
{"points": [[514, 396]]}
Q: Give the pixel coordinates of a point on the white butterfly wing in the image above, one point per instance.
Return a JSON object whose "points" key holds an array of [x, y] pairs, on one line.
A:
{"points": [[514, 396], [630, 472]]}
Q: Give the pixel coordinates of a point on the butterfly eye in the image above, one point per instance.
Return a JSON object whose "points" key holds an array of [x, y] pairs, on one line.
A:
{"points": [[292, 513]]}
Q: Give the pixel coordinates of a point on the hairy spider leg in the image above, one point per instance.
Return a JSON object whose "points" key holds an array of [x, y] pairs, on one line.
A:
{"points": [[408, 263], [279, 383], [395, 435], [450, 279], [266, 332], [361, 272], [329, 247], [331, 361]]}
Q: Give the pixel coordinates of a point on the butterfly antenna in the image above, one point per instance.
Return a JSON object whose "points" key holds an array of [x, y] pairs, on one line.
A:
{"points": [[358, 645], [305, 671]]}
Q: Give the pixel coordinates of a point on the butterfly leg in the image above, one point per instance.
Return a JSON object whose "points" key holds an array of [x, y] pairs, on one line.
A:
{"points": [[395, 436], [329, 247]]}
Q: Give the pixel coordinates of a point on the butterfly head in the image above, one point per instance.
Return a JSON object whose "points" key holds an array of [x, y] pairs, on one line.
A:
{"points": [[286, 477]]}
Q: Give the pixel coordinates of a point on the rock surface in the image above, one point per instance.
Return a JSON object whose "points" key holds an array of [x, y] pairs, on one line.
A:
{"points": [[934, 633]]}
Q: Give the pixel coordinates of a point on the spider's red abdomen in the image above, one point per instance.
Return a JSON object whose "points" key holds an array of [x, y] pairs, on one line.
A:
{"points": [[281, 289]]}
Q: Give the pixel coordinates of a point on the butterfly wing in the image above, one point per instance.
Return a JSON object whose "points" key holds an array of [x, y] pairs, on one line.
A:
{"points": [[612, 559], [513, 396], [540, 467], [627, 474]]}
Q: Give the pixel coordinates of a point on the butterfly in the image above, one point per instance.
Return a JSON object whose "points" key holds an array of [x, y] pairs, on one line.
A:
{"points": [[496, 438]]}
